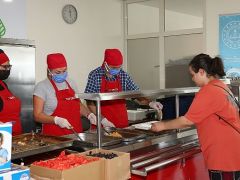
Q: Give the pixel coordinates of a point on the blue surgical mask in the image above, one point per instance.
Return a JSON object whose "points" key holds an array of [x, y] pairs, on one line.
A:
{"points": [[114, 71], [59, 78]]}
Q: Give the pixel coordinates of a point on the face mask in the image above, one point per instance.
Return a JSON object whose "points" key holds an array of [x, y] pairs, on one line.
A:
{"points": [[112, 71], [59, 78], [4, 74]]}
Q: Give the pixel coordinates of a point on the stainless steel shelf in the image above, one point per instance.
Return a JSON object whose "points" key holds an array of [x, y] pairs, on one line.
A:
{"points": [[136, 94]]}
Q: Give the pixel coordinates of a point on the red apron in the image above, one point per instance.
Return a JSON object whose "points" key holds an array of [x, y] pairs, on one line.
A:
{"points": [[11, 109], [114, 110], [68, 107]]}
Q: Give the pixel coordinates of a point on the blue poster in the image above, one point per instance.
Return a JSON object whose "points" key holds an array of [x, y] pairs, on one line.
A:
{"points": [[229, 43]]}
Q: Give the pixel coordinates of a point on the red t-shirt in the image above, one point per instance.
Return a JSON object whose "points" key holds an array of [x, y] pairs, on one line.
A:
{"points": [[220, 143]]}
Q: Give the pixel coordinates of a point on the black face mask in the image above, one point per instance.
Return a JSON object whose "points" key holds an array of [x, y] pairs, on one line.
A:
{"points": [[4, 74]]}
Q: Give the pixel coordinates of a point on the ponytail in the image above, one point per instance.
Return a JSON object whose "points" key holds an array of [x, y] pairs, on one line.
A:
{"points": [[212, 66], [217, 67]]}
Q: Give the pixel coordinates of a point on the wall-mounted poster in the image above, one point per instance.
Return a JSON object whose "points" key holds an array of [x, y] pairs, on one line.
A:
{"points": [[229, 43]]}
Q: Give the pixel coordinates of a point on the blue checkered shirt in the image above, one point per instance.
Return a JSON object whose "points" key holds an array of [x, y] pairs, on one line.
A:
{"points": [[95, 78]]}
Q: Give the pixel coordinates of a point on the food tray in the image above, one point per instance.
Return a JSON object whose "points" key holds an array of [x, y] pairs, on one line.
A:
{"points": [[91, 139], [32, 143], [144, 126], [139, 114], [127, 134]]}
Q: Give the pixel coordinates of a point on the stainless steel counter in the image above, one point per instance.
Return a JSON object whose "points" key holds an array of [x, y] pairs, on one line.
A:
{"points": [[161, 139], [153, 94], [157, 151], [148, 154]]}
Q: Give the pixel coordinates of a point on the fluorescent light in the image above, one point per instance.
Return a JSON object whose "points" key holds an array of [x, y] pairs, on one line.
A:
{"points": [[8, 1]]}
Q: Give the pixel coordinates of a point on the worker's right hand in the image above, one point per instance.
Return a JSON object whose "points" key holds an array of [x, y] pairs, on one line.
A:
{"points": [[62, 122], [107, 123]]}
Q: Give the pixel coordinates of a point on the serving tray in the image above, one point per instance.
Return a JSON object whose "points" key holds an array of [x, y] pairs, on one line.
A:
{"points": [[31, 143], [91, 139], [127, 134]]}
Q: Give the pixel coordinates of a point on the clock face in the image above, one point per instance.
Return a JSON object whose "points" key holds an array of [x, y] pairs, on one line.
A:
{"points": [[69, 14]]}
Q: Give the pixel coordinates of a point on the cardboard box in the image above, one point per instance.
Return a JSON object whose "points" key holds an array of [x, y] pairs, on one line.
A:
{"points": [[117, 168], [6, 146], [16, 173], [90, 171]]}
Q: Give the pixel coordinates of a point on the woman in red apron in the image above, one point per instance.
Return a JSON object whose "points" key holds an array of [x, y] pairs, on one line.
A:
{"points": [[10, 105], [66, 112]]}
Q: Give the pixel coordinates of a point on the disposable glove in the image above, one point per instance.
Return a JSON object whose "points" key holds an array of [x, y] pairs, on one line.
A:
{"points": [[107, 123], [92, 118], [62, 122], [156, 105]]}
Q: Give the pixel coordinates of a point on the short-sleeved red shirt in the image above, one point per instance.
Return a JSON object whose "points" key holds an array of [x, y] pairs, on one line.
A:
{"points": [[220, 143]]}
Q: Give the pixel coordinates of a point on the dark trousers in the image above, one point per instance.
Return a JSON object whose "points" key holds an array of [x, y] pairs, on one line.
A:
{"points": [[222, 175]]}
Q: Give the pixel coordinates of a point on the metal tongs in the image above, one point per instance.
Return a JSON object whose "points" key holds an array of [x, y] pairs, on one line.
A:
{"points": [[109, 129], [75, 133]]}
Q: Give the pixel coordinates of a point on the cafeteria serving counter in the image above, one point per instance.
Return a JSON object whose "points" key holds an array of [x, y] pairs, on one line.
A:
{"points": [[152, 94], [172, 154], [155, 151], [153, 155]]}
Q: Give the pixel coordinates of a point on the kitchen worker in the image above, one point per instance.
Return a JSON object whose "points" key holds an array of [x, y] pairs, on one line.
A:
{"points": [[110, 77], [216, 116], [10, 105], [54, 102]]}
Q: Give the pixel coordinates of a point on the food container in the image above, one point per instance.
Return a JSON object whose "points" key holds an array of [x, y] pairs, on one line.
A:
{"points": [[91, 139], [117, 168], [138, 114], [126, 134], [31, 143], [144, 126], [87, 171]]}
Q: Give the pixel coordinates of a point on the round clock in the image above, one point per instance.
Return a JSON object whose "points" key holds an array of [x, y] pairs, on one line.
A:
{"points": [[69, 13]]}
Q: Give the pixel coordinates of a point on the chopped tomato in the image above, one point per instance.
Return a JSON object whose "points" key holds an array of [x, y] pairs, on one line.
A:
{"points": [[64, 161]]}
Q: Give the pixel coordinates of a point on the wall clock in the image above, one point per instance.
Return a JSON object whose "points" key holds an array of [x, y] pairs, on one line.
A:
{"points": [[69, 13]]}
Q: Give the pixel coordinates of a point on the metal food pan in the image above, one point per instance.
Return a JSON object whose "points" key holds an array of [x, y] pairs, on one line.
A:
{"points": [[30, 144], [91, 139], [127, 134]]}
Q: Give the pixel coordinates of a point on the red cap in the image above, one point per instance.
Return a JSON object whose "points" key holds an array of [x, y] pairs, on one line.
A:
{"points": [[3, 58], [56, 60], [113, 57]]}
